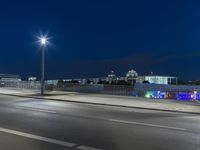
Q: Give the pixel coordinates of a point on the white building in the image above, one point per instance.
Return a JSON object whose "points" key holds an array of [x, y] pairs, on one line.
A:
{"points": [[10, 78], [131, 74], [32, 79], [153, 79]]}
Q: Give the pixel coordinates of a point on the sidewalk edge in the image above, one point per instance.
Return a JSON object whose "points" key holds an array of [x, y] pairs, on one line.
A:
{"points": [[101, 104]]}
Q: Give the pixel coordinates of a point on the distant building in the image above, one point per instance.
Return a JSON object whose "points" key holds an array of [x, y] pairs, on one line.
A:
{"points": [[153, 79], [10, 78], [112, 77], [32, 78], [131, 76]]}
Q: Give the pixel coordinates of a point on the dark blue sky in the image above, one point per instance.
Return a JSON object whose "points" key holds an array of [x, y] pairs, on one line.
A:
{"points": [[90, 38]]}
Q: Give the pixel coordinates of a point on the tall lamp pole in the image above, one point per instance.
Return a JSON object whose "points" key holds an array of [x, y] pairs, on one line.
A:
{"points": [[43, 42]]}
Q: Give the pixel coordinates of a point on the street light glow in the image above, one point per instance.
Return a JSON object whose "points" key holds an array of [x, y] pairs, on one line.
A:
{"points": [[43, 40]]}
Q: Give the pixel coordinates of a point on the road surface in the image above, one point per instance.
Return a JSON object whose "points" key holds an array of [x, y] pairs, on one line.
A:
{"points": [[37, 124]]}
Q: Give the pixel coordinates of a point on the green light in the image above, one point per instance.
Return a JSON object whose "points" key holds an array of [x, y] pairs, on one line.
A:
{"points": [[148, 94]]}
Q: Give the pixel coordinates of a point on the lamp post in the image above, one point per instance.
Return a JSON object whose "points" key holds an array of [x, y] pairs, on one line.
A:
{"points": [[43, 42]]}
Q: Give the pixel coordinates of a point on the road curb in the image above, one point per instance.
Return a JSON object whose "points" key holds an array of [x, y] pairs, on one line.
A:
{"points": [[101, 104]]}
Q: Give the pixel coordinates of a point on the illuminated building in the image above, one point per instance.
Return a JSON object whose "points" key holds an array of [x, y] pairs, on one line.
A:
{"points": [[131, 76], [112, 77], [32, 78], [10, 78], [153, 79]]}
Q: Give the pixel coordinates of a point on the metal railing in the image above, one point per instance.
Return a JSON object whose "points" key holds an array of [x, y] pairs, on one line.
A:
{"points": [[74, 87], [124, 90], [21, 84]]}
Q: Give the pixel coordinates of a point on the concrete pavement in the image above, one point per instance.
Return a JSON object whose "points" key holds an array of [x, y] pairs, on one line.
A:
{"points": [[110, 100], [42, 124]]}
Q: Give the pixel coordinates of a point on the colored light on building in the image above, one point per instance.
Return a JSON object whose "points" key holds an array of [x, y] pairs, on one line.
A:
{"points": [[148, 94], [155, 94], [183, 96]]}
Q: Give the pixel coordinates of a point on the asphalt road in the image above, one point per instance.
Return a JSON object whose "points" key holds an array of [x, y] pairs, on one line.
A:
{"points": [[36, 124]]}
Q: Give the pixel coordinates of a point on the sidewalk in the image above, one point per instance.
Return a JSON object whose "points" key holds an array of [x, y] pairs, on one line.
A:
{"points": [[110, 100]]}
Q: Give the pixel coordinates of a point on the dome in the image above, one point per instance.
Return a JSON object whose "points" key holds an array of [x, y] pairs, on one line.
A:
{"points": [[132, 73]]}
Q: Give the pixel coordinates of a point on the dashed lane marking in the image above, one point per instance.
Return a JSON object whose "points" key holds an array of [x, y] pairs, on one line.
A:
{"points": [[36, 137], [36, 109], [147, 124], [46, 139]]}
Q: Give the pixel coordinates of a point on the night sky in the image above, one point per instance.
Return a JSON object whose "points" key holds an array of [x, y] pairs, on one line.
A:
{"points": [[90, 38]]}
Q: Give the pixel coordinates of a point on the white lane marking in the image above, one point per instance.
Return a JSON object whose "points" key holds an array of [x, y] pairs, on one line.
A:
{"points": [[36, 137], [191, 117], [36, 109], [82, 147], [147, 124]]}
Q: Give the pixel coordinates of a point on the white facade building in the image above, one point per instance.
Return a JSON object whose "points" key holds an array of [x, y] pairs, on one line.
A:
{"points": [[10, 78], [131, 74], [157, 79]]}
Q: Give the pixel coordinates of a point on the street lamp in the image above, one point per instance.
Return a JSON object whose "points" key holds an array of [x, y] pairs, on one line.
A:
{"points": [[43, 42]]}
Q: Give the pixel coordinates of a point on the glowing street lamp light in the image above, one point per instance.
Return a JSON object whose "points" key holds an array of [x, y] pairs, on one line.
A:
{"points": [[43, 40]]}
